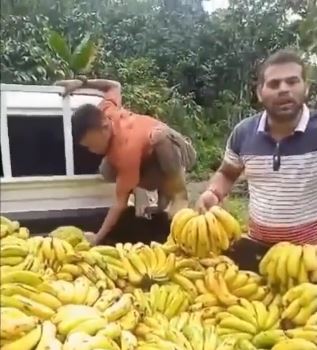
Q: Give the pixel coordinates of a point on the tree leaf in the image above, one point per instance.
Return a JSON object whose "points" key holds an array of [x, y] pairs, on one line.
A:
{"points": [[83, 55], [59, 45]]}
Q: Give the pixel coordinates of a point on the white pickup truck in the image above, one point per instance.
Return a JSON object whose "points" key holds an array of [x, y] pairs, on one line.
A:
{"points": [[47, 180]]}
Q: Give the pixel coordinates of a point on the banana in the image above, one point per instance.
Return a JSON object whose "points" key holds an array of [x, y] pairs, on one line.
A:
{"points": [[48, 340], [233, 322], [261, 314], [14, 323], [307, 334], [73, 269], [69, 312], [119, 308], [137, 263], [312, 321], [267, 339], [108, 297], [310, 257], [13, 250], [186, 284], [160, 258], [90, 326], [11, 260], [25, 277], [230, 224], [65, 291], [128, 341], [81, 289], [217, 285], [92, 295], [32, 307], [179, 221], [67, 325], [178, 338], [207, 299], [203, 243], [217, 241], [240, 280], [246, 291], [242, 313], [27, 342], [295, 344], [189, 237], [111, 330], [150, 260], [89, 271], [31, 293], [106, 250], [130, 320], [273, 317]]}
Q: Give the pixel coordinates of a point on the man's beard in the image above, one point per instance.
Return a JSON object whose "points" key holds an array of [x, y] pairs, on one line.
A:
{"points": [[284, 115]]}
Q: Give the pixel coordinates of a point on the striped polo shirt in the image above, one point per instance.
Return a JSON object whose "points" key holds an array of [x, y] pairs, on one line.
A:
{"points": [[281, 176]]}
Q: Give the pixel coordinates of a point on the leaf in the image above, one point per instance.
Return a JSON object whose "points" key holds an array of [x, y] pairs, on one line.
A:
{"points": [[83, 55], [58, 44]]}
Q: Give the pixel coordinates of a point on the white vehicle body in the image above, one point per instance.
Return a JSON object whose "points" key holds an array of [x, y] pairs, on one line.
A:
{"points": [[45, 193]]}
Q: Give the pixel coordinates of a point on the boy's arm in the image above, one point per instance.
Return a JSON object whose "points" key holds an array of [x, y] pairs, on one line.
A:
{"points": [[127, 180]]}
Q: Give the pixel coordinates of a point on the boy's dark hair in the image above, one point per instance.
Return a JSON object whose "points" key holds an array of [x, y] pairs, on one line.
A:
{"points": [[86, 117], [281, 57]]}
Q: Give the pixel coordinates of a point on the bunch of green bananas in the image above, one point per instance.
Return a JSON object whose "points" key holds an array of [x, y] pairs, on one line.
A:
{"points": [[198, 235], [285, 265]]}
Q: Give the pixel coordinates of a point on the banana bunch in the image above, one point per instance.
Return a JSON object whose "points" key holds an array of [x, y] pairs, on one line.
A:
{"points": [[79, 292], [199, 235], [10, 228], [300, 304], [285, 265], [247, 319], [169, 300], [188, 333], [52, 251]]}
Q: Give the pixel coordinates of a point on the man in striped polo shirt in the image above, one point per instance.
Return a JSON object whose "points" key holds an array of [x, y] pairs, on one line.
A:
{"points": [[277, 152]]}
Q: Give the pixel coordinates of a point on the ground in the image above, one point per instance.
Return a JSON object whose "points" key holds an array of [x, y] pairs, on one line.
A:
{"points": [[236, 205]]}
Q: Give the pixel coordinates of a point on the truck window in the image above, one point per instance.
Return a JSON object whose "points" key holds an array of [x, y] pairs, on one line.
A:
{"points": [[36, 145]]}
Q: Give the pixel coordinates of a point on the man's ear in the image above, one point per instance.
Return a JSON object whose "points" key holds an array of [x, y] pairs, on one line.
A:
{"points": [[258, 92]]}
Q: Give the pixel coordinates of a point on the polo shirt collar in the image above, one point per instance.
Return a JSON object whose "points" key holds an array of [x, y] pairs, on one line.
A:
{"points": [[301, 126]]}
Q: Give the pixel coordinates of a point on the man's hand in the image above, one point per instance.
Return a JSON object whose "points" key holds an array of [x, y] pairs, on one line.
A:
{"points": [[206, 200], [70, 85], [91, 237]]}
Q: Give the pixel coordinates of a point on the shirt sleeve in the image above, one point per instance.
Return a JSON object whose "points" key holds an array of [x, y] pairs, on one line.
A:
{"points": [[232, 153]]}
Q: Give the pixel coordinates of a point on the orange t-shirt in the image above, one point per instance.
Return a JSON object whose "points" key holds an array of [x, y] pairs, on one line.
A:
{"points": [[130, 142]]}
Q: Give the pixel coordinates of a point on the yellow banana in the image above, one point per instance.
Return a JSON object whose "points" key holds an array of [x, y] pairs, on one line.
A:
{"points": [[269, 338], [81, 289], [137, 263], [27, 342], [294, 344], [90, 326], [233, 322], [179, 221], [119, 308], [48, 339], [128, 341], [230, 224], [25, 277], [203, 243], [186, 284], [310, 257]]}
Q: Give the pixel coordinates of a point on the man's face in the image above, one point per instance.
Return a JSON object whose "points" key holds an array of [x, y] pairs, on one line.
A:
{"points": [[283, 91], [97, 140]]}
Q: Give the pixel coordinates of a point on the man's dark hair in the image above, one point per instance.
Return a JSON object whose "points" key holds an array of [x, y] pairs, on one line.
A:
{"points": [[281, 57], [85, 118]]}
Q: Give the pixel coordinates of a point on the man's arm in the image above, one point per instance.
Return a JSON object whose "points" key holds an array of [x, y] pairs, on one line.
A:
{"points": [[223, 180]]}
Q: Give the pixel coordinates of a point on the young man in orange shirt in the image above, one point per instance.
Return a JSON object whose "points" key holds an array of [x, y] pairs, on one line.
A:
{"points": [[140, 151]]}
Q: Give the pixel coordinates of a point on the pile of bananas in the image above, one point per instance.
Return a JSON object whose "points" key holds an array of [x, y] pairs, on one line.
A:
{"points": [[13, 229], [198, 235], [58, 293], [285, 265]]}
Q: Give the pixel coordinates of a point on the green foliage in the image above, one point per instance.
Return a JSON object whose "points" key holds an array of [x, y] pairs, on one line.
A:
{"points": [[195, 71]]}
